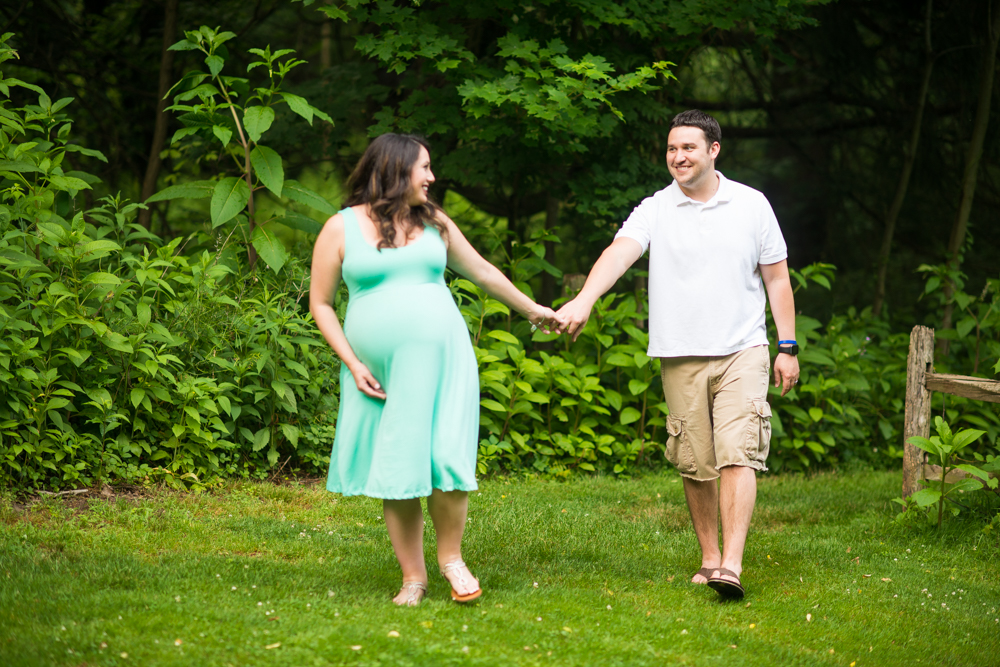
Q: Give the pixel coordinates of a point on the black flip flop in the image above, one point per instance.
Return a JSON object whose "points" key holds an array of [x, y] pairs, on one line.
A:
{"points": [[726, 588]]}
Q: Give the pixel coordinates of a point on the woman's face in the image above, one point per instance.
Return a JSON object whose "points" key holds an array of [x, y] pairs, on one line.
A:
{"points": [[421, 178]]}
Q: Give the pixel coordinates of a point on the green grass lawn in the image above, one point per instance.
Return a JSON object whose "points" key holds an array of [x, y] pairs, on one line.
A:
{"points": [[588, 572]]}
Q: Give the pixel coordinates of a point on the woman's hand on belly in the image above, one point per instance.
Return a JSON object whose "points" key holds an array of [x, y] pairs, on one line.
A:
{"points": [[367, 384]]}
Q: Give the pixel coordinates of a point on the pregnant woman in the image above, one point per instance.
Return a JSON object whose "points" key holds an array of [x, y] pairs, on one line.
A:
{"points": [[409, 406]]}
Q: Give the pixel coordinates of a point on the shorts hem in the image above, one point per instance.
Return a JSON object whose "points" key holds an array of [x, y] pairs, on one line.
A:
{"points": [[755, 465]]}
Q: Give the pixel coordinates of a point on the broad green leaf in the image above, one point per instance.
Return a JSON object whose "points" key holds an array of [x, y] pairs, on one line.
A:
{"points": [[89, 152], [295, 190], [215, 64], [261, 438], [102, 278], [504, 336], [816, 414], [222, 133], [257, 121], [965, 326], [926, 497], [966, 437], [267, 164], [492, 405], [630, 415], [225, 404], [136, 396], [143, 313], [193, 190], [291, 434], [184, 45], [117, 342], [299, 106], [298, 221], [97, 249], [270, 248], [637, 386], [229, 198], [973, 470], [20, 166], [68, 183], [76, 356], [619, 359]]}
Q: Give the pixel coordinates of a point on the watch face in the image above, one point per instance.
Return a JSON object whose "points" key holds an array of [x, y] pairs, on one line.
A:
{"points": [[789, 349]]}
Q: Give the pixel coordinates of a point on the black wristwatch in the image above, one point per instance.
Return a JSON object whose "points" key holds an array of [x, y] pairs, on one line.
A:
{"points": [[792, 349]]}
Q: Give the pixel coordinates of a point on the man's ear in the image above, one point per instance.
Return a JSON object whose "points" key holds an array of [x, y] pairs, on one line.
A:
{"points": [[715, 150]]}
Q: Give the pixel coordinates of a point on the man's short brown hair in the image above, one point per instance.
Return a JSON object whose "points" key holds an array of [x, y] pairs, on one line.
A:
{"points": [[695, 118]]}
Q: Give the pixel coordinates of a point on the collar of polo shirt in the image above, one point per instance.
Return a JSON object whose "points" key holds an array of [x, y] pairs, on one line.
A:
{"points": [[722, 196]]}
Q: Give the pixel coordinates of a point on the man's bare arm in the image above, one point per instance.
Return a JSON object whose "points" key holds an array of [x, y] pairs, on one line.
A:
{"points": [[611, 265], [779, 293]]}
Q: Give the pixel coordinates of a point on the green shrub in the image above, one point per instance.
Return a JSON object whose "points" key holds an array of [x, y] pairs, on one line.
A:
{"points": [[123, 359]]}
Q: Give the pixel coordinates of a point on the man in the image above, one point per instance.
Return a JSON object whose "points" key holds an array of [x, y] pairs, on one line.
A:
{"points": [[711, 241]]}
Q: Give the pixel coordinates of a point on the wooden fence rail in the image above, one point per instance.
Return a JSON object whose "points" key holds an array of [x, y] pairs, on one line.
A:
{"points": [[921, 380]]}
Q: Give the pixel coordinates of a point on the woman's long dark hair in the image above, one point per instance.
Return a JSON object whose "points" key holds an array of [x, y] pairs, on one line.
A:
{"points": [[382, 180]]}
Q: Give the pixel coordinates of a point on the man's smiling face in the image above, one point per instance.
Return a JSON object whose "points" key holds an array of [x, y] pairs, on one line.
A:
{"points": [[690, 159]]}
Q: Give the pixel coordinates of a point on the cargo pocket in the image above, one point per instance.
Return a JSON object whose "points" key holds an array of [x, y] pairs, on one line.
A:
{"points": [[678, 450], [759, 437]]}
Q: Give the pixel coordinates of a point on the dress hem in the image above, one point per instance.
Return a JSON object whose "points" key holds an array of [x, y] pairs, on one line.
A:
{"points": [[404, 497]]}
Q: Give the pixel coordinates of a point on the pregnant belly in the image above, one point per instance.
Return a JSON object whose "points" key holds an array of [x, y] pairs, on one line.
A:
{"points": [[380, 322]]}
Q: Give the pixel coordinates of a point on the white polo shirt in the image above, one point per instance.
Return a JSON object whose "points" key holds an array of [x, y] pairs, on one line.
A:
{"points": [[706, 296]]}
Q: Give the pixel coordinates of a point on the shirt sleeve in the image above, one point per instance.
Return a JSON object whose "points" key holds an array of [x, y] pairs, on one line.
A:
{"points": [[772, 243], [638, 226]]}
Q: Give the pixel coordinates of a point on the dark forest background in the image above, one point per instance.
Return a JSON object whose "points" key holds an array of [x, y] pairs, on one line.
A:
{"points": [[823, 107]]}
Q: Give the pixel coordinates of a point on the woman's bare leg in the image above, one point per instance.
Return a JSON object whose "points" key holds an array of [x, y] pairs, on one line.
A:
{"points": [[405, 521], [448, 510]]}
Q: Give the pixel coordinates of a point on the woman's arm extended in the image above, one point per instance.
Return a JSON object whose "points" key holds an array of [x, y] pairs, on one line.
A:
{"points": [[327, 261], [464, 259]]}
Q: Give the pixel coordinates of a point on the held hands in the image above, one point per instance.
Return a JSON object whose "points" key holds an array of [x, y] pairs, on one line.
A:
{"points": [[573, 317], [786, 372], [367, 384], [545, 319]]}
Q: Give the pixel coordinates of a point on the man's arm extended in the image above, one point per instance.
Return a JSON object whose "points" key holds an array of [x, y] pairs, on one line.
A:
{"points": [[779, 293], [611, 265]]}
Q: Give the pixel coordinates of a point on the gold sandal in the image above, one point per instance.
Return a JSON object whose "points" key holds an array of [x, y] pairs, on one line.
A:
{"points": [[457, 565], [415, 593]]}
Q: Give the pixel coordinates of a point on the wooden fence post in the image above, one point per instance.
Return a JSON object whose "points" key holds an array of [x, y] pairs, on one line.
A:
{"points": [[919, 363]]}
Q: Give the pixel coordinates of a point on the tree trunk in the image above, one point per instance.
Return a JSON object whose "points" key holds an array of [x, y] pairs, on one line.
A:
{"points": [[160, 131], [982, 120], [551, 222], [909, 156]]}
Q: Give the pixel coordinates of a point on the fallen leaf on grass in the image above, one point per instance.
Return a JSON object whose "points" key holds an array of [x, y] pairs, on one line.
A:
{"points": [[393, 633], [275, 645], [886, 579], [809, 617], [356, 647], [178, 642], [866, 576]]}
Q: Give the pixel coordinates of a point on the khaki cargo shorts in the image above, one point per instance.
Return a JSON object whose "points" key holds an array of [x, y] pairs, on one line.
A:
{"points": [[719, 414]]}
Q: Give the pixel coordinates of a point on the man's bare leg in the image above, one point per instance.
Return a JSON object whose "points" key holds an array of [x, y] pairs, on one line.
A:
{"points": [[737, 496], [703, 502]]}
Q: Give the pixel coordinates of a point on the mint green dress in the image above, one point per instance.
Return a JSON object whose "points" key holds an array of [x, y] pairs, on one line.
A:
{"points": [[403, 324]]}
